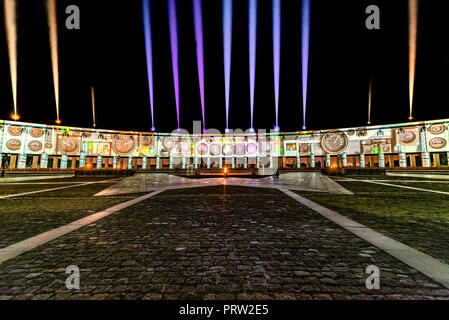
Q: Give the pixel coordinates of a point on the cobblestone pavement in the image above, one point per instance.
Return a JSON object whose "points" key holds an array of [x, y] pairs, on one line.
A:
{"points": [[415, 218], [301, 181], [26, 216], [222, 242]]}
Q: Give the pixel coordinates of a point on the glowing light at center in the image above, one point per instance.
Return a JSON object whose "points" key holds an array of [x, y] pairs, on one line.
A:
{"points": [[149, 52], [305, 43], [174, 51], [252, 26], [53, 29], [413, 30], [198, 20], [11, 35], [227, 51], [276, 54]]}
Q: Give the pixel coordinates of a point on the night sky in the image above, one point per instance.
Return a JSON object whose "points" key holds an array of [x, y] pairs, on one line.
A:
{"points": [[109, 53]]}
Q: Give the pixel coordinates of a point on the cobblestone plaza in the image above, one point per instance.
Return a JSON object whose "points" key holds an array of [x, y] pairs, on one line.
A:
{"points": [[154, 236]]}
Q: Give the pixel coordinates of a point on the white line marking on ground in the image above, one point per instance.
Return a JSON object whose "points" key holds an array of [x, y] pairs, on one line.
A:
{"points": [[404, 187], [53, 189], [422, 262], [21, 247], [34, 178]]}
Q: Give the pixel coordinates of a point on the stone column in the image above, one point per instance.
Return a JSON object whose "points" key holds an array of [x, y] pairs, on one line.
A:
{"points": [[328, 160], [246, 163], [271, 162], [44, 161], [183, 162], [426, 159], [220, 162], [144, 163], [381, 160], [130, 163], [195, 162], [344, 159], [362, 160], [208, 162], [233, 163], [158, 153], [64, 159], [114, 163], [312, 156], [22, 161], [99, 162], [402, 157]]}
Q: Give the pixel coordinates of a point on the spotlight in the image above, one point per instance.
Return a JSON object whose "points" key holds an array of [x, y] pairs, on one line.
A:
{"points": [[15, 117], [227, 130], [277, 129], [304, 127], [369, 122], [410, 118], [251, 130], [204, 130], [58, 121], [153, 129]]}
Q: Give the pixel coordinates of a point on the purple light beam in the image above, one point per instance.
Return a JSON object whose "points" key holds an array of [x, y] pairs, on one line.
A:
{"points": [[305, 36], [149, 53], [276, 53], [252, 28], [227, 52], [198, 20], [174, 51]]}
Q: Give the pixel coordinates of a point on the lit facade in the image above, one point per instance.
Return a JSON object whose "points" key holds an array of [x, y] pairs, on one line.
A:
{"points": [[35, 146]]}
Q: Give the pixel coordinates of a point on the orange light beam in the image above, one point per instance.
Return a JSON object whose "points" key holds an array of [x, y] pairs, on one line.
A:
{"points": [[53, 36], [92, 92], [370, 99], [11, 35], [413, 31]]}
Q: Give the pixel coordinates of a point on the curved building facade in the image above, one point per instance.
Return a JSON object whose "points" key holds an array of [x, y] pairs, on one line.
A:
{"points": [[36, 146]]}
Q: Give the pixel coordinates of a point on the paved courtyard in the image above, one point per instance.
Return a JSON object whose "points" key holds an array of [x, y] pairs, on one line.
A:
{"points": [[198, 242]]}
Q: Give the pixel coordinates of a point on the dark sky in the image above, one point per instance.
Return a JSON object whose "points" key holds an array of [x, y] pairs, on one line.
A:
{"points": [[108, 52]]}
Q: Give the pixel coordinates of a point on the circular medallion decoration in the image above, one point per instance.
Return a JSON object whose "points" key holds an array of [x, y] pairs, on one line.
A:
{"points": [[35, 145], [146, 141], [124, 145], [334, 142], [304, 148], [202, 149], [351, 132], [228, 150], [69, 145], [36, 132], [215, 149], [438, 143], [407, 137], [240, 149], [168, 142], [15, 131], [386, 149], [251, 148], [437, 128], [14, 144], [186, 147], [48, 145]]}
